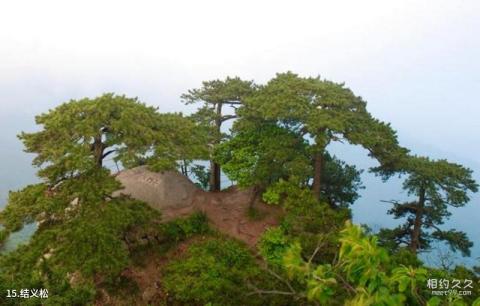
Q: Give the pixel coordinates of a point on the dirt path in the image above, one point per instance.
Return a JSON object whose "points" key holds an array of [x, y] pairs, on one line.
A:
{"points": [[228, 211]]}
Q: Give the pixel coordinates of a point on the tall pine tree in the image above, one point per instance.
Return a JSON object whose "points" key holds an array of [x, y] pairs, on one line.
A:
{"points": [[436, 186], [215, 96], [321, 111]]}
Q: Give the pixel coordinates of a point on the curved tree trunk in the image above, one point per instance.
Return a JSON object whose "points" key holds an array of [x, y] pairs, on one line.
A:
{"points": [[417, 224], [215, 172]]}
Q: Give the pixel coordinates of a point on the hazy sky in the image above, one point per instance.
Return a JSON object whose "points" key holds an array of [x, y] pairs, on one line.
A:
{"points": [[415, 62]]}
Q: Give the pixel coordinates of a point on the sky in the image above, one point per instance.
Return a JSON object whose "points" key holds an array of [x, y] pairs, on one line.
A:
{"points": [[416, 63]]}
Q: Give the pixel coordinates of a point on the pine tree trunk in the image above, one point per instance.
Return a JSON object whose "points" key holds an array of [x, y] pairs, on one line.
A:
{"points": [[215, 171], [417, 224], [214, 176], [97, 149]]}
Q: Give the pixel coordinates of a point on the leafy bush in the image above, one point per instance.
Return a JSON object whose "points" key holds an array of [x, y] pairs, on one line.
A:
{"points": [[182, 228], [272, 245], [215, 271], [307, 220], [363, 274]]}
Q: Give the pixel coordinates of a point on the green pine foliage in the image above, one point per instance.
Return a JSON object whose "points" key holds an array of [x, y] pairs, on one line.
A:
{"points": [[87, 247], [321, 111], [437, 185], [80, 134], [251, 158], [178, 138]]}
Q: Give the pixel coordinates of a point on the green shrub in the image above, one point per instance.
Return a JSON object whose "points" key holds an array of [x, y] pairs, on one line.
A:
{"points": [[215, 271], [182, 228], [272, 245]]}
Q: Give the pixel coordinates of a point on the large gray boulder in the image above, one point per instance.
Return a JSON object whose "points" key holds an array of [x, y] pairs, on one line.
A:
{"points": [[161, 190]]}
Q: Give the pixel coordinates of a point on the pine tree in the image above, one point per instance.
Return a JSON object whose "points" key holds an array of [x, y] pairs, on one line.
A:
{"points": [[262, 156], [215, 96], [437, 185], [322, 111], [79, 135]]}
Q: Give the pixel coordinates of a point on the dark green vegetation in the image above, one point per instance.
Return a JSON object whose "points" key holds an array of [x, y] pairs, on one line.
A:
{"points": [[437, 185], [212, 271], [278, 146]]}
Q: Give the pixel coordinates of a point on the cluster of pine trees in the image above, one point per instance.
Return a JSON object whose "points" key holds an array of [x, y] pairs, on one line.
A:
{"points": [[278, 146]]}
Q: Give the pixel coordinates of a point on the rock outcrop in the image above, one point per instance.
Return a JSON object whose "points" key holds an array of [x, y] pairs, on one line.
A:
{"points": [[161, 190], [174, 195]]}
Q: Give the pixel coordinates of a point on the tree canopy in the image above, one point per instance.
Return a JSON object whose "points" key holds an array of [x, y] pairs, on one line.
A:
{"points": [[436, 184], [78, 135], [73, 143], [263, 156], [321, 111], [215, 96]]}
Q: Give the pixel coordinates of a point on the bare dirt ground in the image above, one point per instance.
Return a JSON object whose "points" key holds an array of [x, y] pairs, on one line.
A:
{"points": [[228, 212]]}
